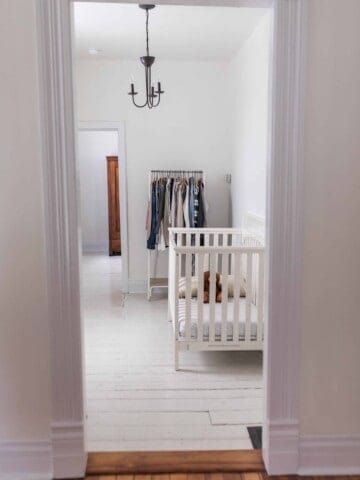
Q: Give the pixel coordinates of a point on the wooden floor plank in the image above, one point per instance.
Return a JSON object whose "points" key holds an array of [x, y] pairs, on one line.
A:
{"points": [[213, 476], [178, 476], [163, 476], [231, 476], [252, 476], [100, 463], [196, 476]]}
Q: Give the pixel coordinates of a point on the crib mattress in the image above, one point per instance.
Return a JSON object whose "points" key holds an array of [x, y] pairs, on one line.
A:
{"points": [[218, 317]]}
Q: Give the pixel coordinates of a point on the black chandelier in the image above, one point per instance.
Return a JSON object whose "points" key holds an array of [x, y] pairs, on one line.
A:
{"points": [[152, 96]]}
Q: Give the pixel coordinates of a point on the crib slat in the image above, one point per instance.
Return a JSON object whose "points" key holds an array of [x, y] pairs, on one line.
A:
{"points": [[249, 295], [177, 264], [206, 244], [188, 296], [197, 244], [260, 303], [200, 303], [236, 319], [212, 297], [224, 295], [188, 239]]}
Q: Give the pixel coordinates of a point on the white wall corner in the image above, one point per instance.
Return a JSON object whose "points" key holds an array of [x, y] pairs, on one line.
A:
{"points": [[329, 455], [26, 460], [69, 457], [281, 451]]}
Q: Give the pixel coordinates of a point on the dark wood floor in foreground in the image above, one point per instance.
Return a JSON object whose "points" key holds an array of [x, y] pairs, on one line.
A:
{"points": [[175, 462], [201, 465], [215, 476]]}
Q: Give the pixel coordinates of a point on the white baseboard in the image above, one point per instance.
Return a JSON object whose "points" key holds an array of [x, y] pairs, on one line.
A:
{"points": [[289, 453], [69, 456], [137, 286], [27, 460], [281, 452], [329, 455]]}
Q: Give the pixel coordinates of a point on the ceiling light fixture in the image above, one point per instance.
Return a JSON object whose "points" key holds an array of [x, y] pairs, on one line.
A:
{"points": [[152, 96]]}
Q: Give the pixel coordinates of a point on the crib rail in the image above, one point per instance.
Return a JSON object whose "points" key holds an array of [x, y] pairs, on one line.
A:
{"points": [[234, 261]]}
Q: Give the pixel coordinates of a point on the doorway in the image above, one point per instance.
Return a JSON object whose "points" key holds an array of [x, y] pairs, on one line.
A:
{"points": [[284, 224], [102, 164], [130, 377]]}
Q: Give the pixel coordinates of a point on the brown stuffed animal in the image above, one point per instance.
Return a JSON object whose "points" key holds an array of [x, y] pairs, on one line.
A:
{"points": [[207, 288]]}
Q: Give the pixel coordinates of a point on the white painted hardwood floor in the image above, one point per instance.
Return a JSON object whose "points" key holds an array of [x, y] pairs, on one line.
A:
{"points": [[135, 399]]}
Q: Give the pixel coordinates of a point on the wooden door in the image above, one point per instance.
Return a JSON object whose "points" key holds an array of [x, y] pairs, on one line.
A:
{"points": [[114, 205]]}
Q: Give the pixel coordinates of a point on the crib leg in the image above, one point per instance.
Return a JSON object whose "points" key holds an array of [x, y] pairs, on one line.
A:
{"points": [[176, 357]]}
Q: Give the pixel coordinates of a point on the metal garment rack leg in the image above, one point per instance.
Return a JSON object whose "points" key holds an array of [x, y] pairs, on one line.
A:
{"points": [[152, 280]]}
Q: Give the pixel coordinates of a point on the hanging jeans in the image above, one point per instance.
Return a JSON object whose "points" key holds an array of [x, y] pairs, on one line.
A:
{"points": [[151, 242]]}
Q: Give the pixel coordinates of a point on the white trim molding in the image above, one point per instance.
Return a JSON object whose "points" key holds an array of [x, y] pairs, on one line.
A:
{"points": [[69, 458], [27, 460], [62, 239], [329, 455], [284, 234], [285, 239]]}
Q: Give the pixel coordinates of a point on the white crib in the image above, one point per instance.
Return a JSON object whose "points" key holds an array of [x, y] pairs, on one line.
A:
{"points": [[237, 323]]}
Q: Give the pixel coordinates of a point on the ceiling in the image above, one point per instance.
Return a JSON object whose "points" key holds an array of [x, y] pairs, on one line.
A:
{"points": [[176, 32]]}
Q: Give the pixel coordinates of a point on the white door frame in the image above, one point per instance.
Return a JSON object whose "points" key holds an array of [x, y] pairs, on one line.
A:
{"points": [[118, 127], [284, 234]]}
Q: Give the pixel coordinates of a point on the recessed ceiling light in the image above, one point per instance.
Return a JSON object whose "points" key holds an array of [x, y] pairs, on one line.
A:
{"points": [[94, 51]]}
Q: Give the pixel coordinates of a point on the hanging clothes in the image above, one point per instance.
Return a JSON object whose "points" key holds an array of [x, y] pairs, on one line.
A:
{"points": [[180, 206], [202, 206], [175, 201], [167, 210], [186, 207]]}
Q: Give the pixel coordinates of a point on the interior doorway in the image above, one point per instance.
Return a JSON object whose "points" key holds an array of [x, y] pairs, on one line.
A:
{"points": [[284, 224], [101, 152], [135, 398]]}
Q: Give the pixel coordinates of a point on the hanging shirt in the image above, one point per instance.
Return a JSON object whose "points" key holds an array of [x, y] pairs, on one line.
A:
{"points": [[180, 207], [167, 206], [186, 207]]}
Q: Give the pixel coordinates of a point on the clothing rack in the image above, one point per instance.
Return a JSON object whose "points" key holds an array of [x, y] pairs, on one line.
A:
{"points": [[153, 281]]}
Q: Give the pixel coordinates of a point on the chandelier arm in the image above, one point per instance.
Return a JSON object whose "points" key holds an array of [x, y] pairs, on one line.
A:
{"points": [[151, 99], [147, 85], [138, 106], [146, 100], [157, 103]]}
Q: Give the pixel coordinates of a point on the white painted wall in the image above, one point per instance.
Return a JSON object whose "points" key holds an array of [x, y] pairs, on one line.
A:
{"points": [[249, 71], [330, 379], [24, 359], [93, 148], [189, 130]]}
